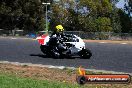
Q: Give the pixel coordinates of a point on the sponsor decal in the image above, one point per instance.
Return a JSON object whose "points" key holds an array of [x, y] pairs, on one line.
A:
{"points": [[83, 78]]}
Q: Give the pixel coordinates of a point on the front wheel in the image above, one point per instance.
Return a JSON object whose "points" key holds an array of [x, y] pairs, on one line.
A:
{"points": [[85, 53]]}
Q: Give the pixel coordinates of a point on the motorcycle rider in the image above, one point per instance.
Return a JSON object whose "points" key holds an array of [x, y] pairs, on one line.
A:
{"points": [[58, 36], [58, 32]]}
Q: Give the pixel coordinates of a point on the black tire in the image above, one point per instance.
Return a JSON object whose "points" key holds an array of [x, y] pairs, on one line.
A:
{"points": [[43, 48], [85, 54], [81, 80]]}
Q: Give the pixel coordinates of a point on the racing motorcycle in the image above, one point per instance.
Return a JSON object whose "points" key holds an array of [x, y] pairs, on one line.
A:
{"points": [[66, 46]]}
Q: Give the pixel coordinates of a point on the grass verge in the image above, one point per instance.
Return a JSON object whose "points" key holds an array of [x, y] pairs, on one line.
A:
{"points": [[10, 81]]}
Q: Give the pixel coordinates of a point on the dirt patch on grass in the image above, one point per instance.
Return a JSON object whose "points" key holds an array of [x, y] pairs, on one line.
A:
{"points": [[43, 73], [39, 72]]}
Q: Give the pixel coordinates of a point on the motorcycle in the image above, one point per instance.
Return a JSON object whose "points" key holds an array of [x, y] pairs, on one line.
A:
{"points": [[68, 46]]}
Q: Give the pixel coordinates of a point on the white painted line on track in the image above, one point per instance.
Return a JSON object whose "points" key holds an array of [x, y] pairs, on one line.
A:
{"points": [[34, 39], [102, 42], [62, 67], [118, 43], [124, 43], [24, 38], [13, 38]]}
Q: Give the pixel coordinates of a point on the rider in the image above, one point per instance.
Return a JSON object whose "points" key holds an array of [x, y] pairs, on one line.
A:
{"points": [[58, 32], [59, 28], [58, 35]]}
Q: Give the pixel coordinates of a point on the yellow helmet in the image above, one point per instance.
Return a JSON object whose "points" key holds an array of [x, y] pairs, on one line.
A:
{"points": [[59, 28]]}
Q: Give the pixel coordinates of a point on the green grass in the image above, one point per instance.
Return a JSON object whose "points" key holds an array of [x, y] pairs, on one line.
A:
{"points": [[9, 81]]}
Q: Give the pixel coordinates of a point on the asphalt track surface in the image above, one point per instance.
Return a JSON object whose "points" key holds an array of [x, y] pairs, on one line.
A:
{"points": [[106, 56]]}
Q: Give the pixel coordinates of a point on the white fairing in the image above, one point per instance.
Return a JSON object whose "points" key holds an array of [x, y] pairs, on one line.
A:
{"points": [[78, 45]]}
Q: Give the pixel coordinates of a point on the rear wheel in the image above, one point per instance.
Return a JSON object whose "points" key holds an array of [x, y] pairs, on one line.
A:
{"points": [[43, 48], [86, 54]]}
